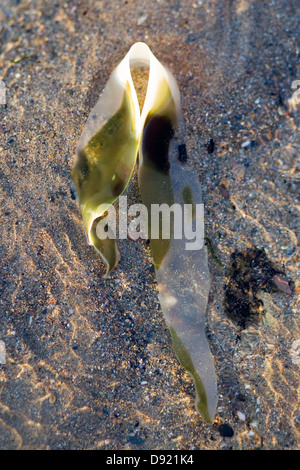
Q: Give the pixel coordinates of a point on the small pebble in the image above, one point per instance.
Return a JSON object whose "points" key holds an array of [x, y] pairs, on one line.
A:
{"points": [[241, 416], [142, 20], [238, 171], [224, 191], [248, 143], [295, 352], [282, 284], [226, 430], [52, 399], [2, 353]]}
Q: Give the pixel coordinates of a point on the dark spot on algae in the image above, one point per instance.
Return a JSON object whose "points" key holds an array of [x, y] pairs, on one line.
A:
{"points": [[158, 133], [118, 187], [182, 153], [187, 195]]}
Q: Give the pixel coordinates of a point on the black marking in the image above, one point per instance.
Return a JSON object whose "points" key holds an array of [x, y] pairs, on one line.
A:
{"points": [[210, 146], [158, 133], [182, 154], [73, 192]]}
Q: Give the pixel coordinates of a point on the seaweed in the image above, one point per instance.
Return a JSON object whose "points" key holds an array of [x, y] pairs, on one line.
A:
{"points": [[115, 133], [250, 272]]}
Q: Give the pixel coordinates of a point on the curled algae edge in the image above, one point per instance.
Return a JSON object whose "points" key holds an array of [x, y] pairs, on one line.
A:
{"points": [[116, 132]]}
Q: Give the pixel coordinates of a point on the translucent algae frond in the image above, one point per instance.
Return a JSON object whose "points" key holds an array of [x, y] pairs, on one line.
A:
{"points": [[115, 133]]}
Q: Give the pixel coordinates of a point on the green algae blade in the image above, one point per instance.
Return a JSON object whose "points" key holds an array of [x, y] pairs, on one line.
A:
{"points": [[102, 172], [181, 265], [183, 284], [106, 156], [184, 355]]}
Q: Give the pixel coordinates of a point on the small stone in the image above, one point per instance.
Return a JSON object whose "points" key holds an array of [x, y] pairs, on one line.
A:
{"points": [[238, 171], [226, 430], [142, 20], [248, 143], [210, 146], [282, 283], [297, 421], [295, 352], [52, 399], [224, 191], [241, 416], [2, 353]]}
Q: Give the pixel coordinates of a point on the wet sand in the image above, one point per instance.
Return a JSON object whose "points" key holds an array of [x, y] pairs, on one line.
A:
{"points": [[88, 362]]}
